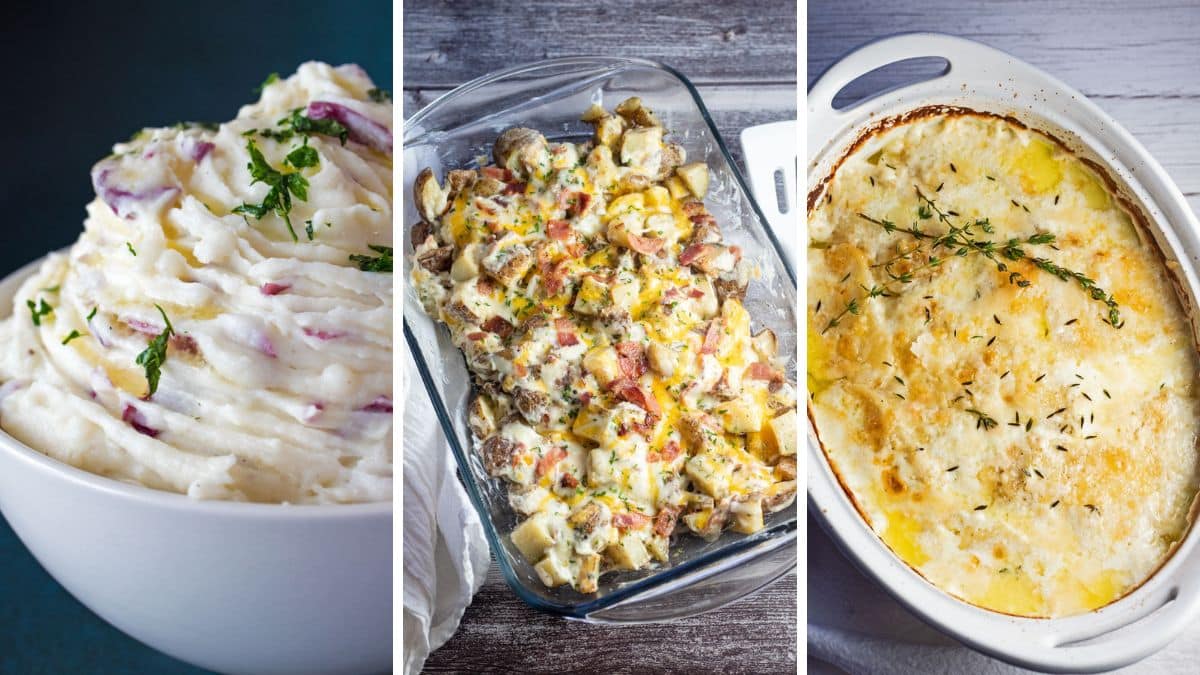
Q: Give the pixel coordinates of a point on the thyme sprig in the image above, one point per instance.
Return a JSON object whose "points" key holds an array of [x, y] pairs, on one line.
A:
{"points": [[963, 240], [852, 305]]}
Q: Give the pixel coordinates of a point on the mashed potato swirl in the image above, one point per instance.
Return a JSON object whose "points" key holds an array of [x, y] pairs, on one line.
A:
{"points": [[277, 381]]}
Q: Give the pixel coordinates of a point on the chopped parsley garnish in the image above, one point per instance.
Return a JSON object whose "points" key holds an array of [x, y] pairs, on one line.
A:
{"points": [[379, 95], [130, 247], [279, 197], [298, 123], [39, 310], [382, 263], [52, 289], [92, 314], [71, 336], [303, 156], [155, 354]]}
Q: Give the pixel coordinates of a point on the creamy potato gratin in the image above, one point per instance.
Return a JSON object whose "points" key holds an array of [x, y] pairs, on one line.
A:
{"points": [[999, 369], [222, 327], [619, 388]]}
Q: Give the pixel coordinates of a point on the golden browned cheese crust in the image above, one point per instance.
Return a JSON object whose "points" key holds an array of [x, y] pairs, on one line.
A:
{"points": [[999, 368]]}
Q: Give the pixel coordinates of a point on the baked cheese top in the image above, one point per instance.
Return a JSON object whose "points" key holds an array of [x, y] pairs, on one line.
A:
{"points": [[1016, 417]]}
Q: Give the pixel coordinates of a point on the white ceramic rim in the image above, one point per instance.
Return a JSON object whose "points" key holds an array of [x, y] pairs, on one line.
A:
{"points": [[151, 497], [989, 80]]}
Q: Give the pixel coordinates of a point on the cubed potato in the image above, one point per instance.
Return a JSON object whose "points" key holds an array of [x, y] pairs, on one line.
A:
{"points": [[592, 297], [756, 444], [634, 202], [765, 344], [601, 461], [741, 416], [747, 516], [710, 474], [628, 553], [779, 496], [699, 431], [533, 536], [507, 262], [594, 112], [608, 130], [782, 434], [522, 151], [706, 305], [625, 225], [659, 225], [695, 177], [657, 197], [662, 359], [552, 571], [659, 548], [641, 148], [602, 363], [604, 169], [563, 156], [677, 188], [589, 573], [466, 265], [481, 417], [429, 197], [589, 423], [636, 113]]}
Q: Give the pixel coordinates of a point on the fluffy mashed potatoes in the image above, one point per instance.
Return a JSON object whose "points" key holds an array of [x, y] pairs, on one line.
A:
{"points": [[223, 326], [999, 432]]}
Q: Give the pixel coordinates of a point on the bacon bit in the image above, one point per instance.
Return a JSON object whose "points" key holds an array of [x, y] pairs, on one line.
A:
{"points": [[503, 175], [670, 451], [131, 416], [381, 404], [547, 461], [632, 359], [566, 332], [558, 229], [476, 336], [645, 245], [705, 218], [664, 522], [498, 325], [763, 371], [585, 398], [487, 206], [630, 521], [690, 254], [568, 481], [514, 188], [712, 337], [272, 288], [575, 249], [323, 334], [520, 369], [573, 202], [695, 294], [736, 251], [628, 390]]}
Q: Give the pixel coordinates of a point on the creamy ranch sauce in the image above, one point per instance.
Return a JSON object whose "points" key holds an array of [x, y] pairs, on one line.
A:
{"points": [[277, 386], [1084, 481]]}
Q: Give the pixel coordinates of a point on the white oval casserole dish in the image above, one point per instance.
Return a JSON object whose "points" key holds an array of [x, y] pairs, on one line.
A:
{"points": [[231, 587], [987, 80]]}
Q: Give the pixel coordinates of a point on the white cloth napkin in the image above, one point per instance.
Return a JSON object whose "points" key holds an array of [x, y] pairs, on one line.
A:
{"points": [[445, 553], [856, 627]]}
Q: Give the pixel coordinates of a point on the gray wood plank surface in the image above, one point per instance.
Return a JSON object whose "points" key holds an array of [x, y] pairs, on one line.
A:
{"points": [[1140, 62], [742, 57], [500, 634], [450, 42]]}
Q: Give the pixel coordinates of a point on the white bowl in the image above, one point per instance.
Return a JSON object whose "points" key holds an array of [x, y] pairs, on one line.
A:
{"points": [[232, 587], [988, 80]]}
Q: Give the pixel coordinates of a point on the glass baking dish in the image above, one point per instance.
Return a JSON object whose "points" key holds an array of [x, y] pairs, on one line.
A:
{"points": [[452, 132]]}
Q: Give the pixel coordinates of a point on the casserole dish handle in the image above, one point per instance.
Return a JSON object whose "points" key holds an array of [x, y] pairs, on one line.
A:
{"points": [[966, 59]]}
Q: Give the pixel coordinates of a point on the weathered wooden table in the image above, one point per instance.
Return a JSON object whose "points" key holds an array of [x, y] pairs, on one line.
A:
{"points": [[743, 61], [1141, 64]]}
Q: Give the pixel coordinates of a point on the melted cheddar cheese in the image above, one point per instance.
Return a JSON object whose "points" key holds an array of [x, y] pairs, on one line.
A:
{"points": [[620, 389], [1006, 434]]}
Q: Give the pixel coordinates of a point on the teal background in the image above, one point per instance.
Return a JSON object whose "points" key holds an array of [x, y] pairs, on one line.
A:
{"points": [[79, 77]]}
